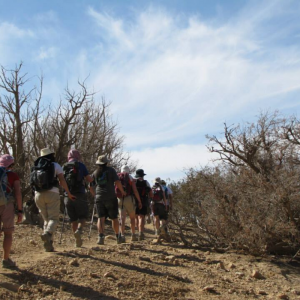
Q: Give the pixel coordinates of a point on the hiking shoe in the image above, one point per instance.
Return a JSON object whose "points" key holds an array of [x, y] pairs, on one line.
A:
{"points": [[163, 230], [119, 239], [100, 240], [8, 264], [133, 238], [123, 239], [78, 239], [148, 219], [141, 236], [48, 243]]}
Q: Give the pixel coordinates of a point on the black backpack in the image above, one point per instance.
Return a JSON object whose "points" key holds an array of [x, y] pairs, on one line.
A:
{"points": [[72, 175], [143, 189], [42, 176]]}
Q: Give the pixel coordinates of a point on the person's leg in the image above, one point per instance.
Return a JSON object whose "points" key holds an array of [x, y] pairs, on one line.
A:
{"points": [[100, 225], [132, 222], [7, 243], [7, 217], [53, 208], [74, 225], [115, 226], [141, 223], [41, 205]]}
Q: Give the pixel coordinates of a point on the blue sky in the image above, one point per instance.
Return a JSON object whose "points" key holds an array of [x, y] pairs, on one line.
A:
{"points": [[173, 70]]}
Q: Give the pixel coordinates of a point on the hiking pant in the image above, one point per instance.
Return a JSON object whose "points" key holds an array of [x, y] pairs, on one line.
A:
{"points": [[7, 216], [127, 204], [48, 204]]}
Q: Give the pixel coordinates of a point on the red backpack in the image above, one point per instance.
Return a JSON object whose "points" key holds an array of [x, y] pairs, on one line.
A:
{"points": [[157, 192], [126, 183]]}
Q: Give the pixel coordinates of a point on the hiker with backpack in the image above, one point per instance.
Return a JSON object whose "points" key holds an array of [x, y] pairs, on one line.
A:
{"points": [[45, 178], [10, 192], [145, 192], [127, 203], [159, 203], [76, 174], [105, 180]]}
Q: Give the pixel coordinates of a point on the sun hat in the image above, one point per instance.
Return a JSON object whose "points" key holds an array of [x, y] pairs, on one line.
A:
{"points": [[125, 169], [157, 179], [46, 151], [163, 182], [6, 160], [139, 173], [74, 155], [102, 159]]}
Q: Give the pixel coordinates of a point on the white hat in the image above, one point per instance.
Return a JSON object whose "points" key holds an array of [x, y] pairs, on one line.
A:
{"points": [[46, 151], [125, 169], [102, 160]]}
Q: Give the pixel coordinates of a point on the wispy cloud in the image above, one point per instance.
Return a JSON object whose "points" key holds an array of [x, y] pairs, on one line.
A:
{"points": [[180, 77]]}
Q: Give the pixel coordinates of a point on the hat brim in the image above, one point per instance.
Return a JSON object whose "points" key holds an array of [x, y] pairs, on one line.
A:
{"points": [[139, 175], [46, 154]]}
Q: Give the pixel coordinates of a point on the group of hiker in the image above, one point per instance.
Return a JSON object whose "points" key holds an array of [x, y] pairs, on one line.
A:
{"points": [[116, 196]]}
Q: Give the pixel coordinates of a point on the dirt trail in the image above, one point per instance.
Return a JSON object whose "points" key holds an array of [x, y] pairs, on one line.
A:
{"points": [[140, 270]]}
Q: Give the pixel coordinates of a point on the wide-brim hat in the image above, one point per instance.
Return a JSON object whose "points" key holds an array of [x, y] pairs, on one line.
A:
{"points": [[139, 173], [157, 179], [102, 159], [46, 151]]}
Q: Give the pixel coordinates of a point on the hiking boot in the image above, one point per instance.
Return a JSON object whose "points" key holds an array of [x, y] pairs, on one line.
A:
{"points": [[119, 239], [100, 240], [163, 230], [123, 239], [134, 237], [78, 239], [48, 243], [148, 219], [141, 236], [8, 264]]}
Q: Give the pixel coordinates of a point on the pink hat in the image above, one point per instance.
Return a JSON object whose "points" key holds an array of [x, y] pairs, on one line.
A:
{"points": [[74, 155], [6, 160]]}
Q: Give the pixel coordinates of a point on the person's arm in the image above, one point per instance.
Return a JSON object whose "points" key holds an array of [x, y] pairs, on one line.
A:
{"points": [[90, 179], [120, 187], [136, 193], [63, 184], [18, 196]]}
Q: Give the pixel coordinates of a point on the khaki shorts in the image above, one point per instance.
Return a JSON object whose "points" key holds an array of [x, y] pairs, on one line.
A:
{"points": [[7, 217], [128, 205]]}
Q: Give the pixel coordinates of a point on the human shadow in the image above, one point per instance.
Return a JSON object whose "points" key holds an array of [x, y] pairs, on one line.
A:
{"points": [[83, 292]]}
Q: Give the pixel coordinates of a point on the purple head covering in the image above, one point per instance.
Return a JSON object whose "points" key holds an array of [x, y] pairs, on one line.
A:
{"points": [[6, 160], [74, 155]]}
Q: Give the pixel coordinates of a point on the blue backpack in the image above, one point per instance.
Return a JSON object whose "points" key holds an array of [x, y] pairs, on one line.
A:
{"points": [[3, 186]]}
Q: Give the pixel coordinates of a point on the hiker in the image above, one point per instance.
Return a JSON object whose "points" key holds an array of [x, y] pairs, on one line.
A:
{"points": [[76, 173], [46, 175], [11, 187], [127, 203], [168, 195], [105, 179], [159, 208], [145, 191]]}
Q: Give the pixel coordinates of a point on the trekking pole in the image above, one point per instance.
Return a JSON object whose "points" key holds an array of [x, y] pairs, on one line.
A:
{"points": [[63, 225], [92, 220]]}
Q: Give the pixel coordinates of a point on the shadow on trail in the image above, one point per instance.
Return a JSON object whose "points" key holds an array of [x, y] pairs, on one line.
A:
{"points": [[83, 292], [130, 267], [288, 269]]}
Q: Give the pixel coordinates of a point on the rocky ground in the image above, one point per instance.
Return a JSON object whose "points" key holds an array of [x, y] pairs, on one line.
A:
{"points": [[141, 270]]}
